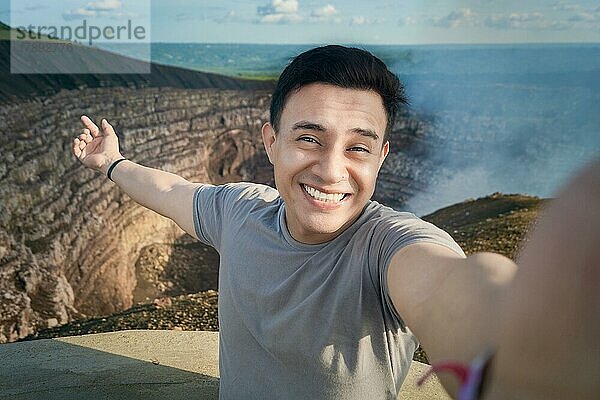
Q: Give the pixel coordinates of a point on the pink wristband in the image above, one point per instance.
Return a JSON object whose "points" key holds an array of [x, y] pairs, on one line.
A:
{"points": [[471, 377]]}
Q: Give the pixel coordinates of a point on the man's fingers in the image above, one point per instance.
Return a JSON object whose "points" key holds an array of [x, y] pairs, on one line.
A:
{"points": [[93, 134], [84, 137], [87, 132], [76, 149], [89, 124], [93, 129], [107, 128]]}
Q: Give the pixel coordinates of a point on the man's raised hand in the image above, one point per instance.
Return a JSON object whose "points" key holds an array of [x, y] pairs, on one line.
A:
{"points": [[96, 148]]}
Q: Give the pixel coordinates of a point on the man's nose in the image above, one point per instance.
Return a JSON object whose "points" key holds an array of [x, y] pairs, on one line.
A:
{"points": [[332, 166]]}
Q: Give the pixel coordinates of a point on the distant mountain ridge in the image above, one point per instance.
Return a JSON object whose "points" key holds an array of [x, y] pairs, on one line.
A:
{"points": [[20, 86]]}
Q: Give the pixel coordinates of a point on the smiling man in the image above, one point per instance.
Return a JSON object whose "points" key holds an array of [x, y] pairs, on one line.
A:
{"points": [[323, 292], [327, 148]]}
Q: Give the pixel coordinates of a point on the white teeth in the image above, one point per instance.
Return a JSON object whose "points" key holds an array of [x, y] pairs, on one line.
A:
{"points": [[326, 197]]}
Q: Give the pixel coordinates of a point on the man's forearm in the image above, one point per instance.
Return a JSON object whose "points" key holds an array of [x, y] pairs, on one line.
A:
{"points": [[539, 321], [450, 302], [149, 187], [473, 293], [548, 348], [163, 192], [145, 185]]}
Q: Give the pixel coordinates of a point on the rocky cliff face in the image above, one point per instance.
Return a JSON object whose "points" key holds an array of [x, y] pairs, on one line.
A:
{"points": [[69, 239]]}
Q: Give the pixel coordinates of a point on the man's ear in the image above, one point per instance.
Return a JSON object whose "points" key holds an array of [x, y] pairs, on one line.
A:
{"points": [[384, 152], [268, 137]]}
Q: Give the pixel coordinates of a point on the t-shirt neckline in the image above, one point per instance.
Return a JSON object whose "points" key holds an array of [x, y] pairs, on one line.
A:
{"points": [[315, 247]]}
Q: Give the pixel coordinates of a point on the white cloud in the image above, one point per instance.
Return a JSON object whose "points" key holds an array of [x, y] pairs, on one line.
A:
{"points": [[279, 18], [586, 16], [79, 14], [287, 11], [581, 17], [406, 21], [35, 7], [563, 6], [229, 16], [533, 20], [278, 7], [588, 19], [121, 15], [104, 5], [561, 15], [97, 8], [325, 11], [359, 20], [455, 19], [279, 11]]}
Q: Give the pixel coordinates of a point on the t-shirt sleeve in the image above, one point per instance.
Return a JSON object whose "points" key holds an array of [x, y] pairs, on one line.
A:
{"points": [[399, 231], [218, 209], [210, 204]]}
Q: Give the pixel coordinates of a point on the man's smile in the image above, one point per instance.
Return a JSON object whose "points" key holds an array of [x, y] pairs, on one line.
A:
{"points": [[323, 196]]}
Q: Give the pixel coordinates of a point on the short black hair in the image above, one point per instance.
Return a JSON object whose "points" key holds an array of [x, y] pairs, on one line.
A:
{"points": [[347, 67]]}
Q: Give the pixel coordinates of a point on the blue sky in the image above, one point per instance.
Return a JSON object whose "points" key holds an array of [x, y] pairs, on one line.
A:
{"points": [[328, 21]]}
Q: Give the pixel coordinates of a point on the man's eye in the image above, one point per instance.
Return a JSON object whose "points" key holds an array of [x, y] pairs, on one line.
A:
{"points": [[307, 139], [360, 149]]}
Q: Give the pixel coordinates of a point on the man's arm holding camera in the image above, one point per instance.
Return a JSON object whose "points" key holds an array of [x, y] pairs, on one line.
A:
{"points": [[533, 317], [450, 303]]}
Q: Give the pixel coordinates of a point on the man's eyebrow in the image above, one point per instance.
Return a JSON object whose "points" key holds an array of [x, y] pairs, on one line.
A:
{"points": [[313, 126], [367, 133]]}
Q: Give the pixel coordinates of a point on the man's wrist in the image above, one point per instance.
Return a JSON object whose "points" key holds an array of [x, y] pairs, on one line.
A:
{"points": [[473, 378], [112, 167], [109, 160]]}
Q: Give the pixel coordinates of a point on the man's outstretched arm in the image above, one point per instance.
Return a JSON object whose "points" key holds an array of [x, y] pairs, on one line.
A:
{"points": [[458, 307], [450, 303], [168, 194], [548, 345]]}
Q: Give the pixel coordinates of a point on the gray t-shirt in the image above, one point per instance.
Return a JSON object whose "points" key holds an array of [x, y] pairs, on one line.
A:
{"points": [[302, 321]]}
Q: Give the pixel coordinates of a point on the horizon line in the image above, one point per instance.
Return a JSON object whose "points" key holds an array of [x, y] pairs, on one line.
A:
{"points": [[380, 44]]}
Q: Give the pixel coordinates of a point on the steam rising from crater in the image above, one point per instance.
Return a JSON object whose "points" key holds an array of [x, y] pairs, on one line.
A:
{"points": [[511, 119]]}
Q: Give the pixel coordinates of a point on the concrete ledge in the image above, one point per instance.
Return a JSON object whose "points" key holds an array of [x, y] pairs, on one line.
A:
{"points": [[131, 365]]}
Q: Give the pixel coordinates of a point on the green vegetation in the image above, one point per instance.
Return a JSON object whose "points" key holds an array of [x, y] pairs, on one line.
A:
{"points": [[257, 76], [266, 75], [4, 31], [5, 34]]}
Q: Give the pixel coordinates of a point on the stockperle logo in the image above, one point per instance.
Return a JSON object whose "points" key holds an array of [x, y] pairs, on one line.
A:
{"points": [[72, 37]]}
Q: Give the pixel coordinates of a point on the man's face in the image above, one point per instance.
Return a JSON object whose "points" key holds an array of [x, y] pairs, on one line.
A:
{"points": [[326, 156]]}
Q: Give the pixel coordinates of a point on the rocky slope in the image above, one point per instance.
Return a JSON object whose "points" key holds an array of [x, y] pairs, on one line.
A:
{"points": [[69, 239]]}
